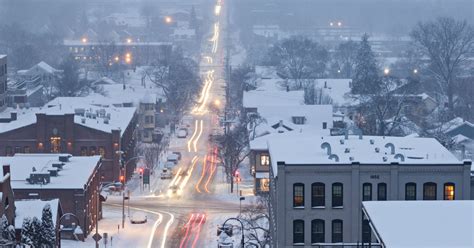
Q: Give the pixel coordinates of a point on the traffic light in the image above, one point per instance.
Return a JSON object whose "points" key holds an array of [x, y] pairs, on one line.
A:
{"points": [[140, 170], [122, 179], [237, 174]]}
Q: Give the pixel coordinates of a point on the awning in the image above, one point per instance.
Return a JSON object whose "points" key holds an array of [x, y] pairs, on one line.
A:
{"points": [[262, 175]]}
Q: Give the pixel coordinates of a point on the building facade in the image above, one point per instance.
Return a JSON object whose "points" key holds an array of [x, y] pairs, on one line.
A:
{"points": [[320, 202], [79, 134]]}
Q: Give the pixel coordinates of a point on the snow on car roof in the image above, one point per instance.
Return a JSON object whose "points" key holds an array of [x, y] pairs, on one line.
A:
{"points": [[306, 149], [422, 223], [74, 175]]}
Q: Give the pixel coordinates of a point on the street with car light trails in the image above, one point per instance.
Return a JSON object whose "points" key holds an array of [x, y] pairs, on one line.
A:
{"points": [[184, 204]]}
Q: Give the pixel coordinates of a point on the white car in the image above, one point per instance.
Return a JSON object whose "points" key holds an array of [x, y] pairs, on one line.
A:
{"points": [[166, 174], [138, 218], [182, 133]]}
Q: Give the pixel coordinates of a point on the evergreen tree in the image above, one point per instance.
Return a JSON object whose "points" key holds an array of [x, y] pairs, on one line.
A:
{"points": [[11, 233], [27, 232], [366, 79], [47, 227], [4, 227], [36, 227], [193, 21]]}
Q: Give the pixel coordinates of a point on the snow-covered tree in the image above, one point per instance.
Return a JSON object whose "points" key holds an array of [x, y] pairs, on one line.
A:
{"points": [[4, 227], [345, 57], [48, 235], [36, 228], [366, 78], [11, 233], [27, 232]]}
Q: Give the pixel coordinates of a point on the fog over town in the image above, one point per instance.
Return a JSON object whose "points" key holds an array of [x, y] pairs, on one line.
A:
{"points": [[237, 123]]}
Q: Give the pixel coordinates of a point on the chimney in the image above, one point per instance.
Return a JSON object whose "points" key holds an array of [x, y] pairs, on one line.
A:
{"points": [[6, 169], [325, 84], [287, 88]]}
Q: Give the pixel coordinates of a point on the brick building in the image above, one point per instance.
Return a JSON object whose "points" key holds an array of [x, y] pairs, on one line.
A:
{"points": [[7, 197], [72, 180], [3, 81], [68, 125]]}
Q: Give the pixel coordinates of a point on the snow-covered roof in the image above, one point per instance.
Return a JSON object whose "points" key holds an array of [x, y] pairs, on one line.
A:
{"points": [[337, 89], [184, 31], [74, 175], [258, 98], [423, 223], [33, 208], [41, 67], [120, 117], [314, 117], [124, 43], [2, 56], [306, 149]]}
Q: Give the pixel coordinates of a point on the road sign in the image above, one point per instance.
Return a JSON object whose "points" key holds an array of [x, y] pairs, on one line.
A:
{"points": [[96, 237], [106, 237]]}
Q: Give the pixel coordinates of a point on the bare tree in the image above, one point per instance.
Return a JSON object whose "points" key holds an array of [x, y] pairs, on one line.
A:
{"points": [[70, 84], [447, 42], [178, 77], [256, 222], [464, 89], [381, 113], [345, 58], [232, 151], [299, 58], [107, 59]]}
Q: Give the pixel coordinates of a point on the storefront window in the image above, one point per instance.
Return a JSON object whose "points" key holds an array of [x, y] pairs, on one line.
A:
{"points": [[55, 144]]}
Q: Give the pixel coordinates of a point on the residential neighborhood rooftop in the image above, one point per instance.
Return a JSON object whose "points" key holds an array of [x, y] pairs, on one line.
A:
{"points": [[422, 224], [73, 175]]}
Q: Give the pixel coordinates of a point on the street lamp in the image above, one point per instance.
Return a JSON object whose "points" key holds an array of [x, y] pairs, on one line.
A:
{"points": [[415, 71], [386, 71], [168, 19], [84, 40], [129, 40]]}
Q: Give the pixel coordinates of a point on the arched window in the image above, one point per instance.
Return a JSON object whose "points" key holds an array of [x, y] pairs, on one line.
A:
{"points": [[367, 192], [298, 231], [337, 231], [337, 194], [449, 191], [429, 191], [382, 192], [410, 191], [298, 195], [317, 231], [317, 195]]}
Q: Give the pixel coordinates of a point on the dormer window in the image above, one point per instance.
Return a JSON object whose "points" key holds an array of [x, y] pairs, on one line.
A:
{"points": [[299, 120]]}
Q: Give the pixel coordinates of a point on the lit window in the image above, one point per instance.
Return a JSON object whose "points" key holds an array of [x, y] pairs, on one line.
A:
{"points": [[264, 160], [26, 149], [449, 191], [298, 195], [55, 144]]}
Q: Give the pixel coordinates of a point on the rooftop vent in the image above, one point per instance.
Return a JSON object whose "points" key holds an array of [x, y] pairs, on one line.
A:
{"points": [[372, 141], [351, 158], [347, 150], [391, 146], [39, 178], [53, 172], [385, 159], [400, 156], [326, 146], [341, 141], [377, 150], [83, 120], [58, 166], [79, 111], [334, 156], [64, 158], [106, 121]]}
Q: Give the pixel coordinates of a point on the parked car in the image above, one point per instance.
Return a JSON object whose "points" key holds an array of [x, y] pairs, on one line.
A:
{"points": [[138, 218], [182, 133], [172, 158], [179, 155], [166, 174]]}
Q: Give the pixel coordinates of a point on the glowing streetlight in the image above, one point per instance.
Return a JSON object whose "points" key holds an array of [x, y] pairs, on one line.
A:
{"points": [[116, 58], [217, 102], [339, 24], [84, 40], [129, 40], [415, 71], [331, 24], [217, 10], [128, 60], [128, 55], [168, 19], [338, 71], [386, 71]]}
